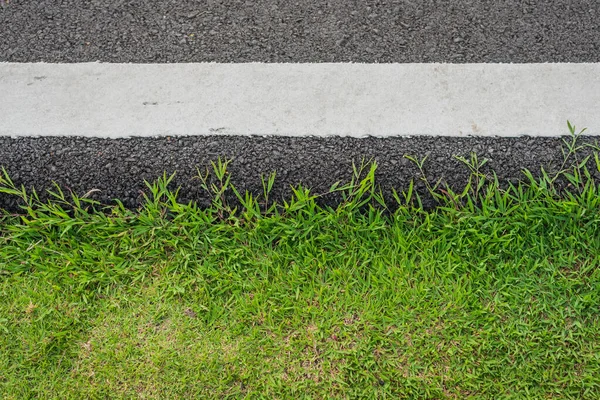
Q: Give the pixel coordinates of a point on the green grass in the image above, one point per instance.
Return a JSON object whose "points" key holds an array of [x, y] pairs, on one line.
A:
{"points": [[493, 294]]}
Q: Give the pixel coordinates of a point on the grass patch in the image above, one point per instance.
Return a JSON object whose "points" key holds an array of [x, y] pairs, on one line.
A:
{"points": [[493, 294]]}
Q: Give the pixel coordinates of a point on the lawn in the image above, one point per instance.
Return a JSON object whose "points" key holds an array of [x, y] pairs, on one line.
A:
{"points": [[495, 293]]}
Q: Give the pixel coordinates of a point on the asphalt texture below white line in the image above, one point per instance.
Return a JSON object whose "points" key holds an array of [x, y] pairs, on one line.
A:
{"points": [[117, 167], [405, 31]]}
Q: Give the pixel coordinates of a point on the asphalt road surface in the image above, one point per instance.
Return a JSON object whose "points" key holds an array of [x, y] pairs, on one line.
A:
{"points": [[405, 31], [142, 31]]}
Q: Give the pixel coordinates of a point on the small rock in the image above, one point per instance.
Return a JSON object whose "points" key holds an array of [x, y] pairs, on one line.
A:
{"points": [[342, 42]]}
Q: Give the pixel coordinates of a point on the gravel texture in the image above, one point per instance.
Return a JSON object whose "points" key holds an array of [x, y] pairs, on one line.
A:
{"points": [[175, 31], [164, 31], [117, 167]]}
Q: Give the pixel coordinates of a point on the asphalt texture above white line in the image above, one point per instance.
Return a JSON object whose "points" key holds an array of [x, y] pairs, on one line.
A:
{"points": [[357, 100], [405, 31]]}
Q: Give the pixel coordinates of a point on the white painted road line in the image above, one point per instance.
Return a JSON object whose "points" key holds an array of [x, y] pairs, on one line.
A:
{"points": [[355, 100]]}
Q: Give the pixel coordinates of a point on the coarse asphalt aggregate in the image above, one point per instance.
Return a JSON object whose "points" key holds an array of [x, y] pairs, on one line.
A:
{"points": [[394, 31]]}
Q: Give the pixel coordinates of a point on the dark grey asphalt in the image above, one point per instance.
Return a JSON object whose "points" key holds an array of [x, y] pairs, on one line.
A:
{"points": [[151, 31], [118, 167], [165, 31]]}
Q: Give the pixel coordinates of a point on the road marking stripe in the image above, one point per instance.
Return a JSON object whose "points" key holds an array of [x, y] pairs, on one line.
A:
{"points": [[355, 100]]}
